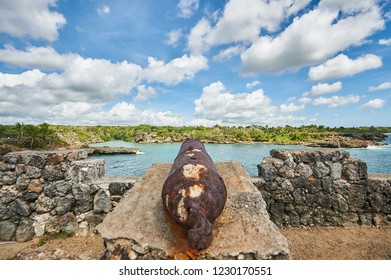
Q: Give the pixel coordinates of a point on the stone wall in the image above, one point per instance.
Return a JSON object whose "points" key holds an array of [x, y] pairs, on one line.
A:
{"points": [[52, 191], [323, 188]]}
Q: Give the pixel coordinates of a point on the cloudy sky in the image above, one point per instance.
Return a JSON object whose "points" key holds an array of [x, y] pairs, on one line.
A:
{"points": [[195, 62]]}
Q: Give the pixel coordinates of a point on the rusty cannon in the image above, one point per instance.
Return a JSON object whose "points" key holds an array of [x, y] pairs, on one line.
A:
{"points": [[194, 194]]}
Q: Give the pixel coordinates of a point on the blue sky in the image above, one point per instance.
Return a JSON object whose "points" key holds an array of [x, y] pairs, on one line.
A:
{"points": [[193, 62]]}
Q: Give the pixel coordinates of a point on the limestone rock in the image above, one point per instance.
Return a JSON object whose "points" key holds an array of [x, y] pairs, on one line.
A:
{"points": [[25, 230], [20, 207], [7, 230], [44, 204], [102, 202], [139, 223]]}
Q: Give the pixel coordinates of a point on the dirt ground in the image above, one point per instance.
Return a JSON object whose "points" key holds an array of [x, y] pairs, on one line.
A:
{"points": [[358, 243]]}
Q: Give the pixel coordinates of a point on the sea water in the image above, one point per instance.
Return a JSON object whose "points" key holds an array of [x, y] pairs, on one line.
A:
{"points": [[378, 158]]}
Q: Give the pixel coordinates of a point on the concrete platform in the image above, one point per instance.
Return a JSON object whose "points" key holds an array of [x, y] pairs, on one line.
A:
{"points": [[139, 228]]}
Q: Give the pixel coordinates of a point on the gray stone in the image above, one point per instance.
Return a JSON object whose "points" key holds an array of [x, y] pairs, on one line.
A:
{"points": [[7, 167], [22, 182], [102, 202], [341, 186], [342, 204], [30, 196], [38, 160], [33, 172], [25, 230], [68, 223], [52, 225], [303, 169], [93, 220], [365, 219], [334, 155], [321, 170], [50, 189], [54, 172], [377, 201], [299, 195], [354, 170], [333, 218], [84, 196], [63, 187], [44, 204], [324, 200], [64, 204], [7, 178], [4, 215], [281, 154], [7, 230], [8, 194], [286, 172], [310, 156], [267, 170], [243, 229], [20, 207], [336, 171]]}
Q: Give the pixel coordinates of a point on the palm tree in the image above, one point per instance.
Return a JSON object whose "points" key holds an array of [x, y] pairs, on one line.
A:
{"points": [[20, 128]]}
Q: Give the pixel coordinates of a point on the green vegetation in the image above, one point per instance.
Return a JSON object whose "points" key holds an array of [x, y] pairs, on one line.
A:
{"points": [[54, 236], [40, 136], [44, 135]]}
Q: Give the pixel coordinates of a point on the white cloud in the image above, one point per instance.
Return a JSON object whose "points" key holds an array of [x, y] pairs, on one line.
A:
{"points": [[252, 84], [35, 19], [229, 52], [374, 104], [342, 66], [144, 93], [28, 78], [336, 101], [44, 58], [312, 38], [188, 7], [291, 108], [127, 113], [175, 71], [386, 42], [242, 21], [385, 85], [103, 10], [87, 79], [218, 105], [198, 37], [173, 37], [323, 88], [80, 87], [305, 100]]}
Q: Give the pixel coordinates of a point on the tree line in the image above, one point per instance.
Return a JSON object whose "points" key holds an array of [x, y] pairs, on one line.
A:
{"points": [[44, 135]]}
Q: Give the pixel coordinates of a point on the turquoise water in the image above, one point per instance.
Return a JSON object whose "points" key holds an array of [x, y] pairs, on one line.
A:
{"points": [[377, 158]]}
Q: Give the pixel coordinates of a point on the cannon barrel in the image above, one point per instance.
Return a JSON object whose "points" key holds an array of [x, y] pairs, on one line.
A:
{"points": [[194, 194]]}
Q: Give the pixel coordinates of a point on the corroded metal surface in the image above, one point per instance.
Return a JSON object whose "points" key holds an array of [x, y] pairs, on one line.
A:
{"points": [[194, 193]]}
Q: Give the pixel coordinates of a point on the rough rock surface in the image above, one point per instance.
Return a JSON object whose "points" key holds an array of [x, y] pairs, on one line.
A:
{"points": [[139, 228]]}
